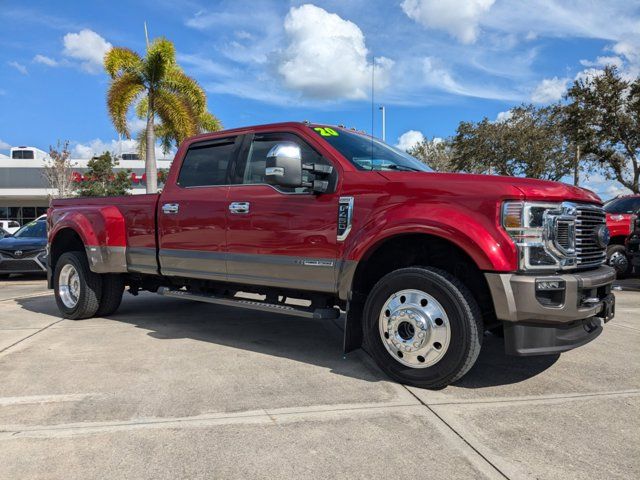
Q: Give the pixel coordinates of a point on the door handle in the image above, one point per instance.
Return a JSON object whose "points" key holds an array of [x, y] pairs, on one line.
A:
{"points": [[239, 207], [170, 208]]}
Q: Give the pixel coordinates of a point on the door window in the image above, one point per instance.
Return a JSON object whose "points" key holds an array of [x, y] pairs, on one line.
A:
{"points": [[206, 164], [252, 172]]}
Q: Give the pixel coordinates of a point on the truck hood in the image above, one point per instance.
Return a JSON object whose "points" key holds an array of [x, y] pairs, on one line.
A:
{"points": [[504, 187]]}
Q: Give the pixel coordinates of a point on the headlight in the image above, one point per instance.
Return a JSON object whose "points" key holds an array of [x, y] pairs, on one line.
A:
{"points": [[543, 232]]}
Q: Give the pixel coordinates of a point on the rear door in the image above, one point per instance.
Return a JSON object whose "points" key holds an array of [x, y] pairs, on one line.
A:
{"points": [[192, 213], [278, 237]]}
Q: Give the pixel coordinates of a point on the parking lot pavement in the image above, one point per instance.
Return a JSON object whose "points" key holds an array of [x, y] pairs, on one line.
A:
{"points": [[168, 388]]}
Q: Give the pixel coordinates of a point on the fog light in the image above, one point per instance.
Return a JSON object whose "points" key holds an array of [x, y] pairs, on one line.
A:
{"points": [[542, 285], [550, 293]]}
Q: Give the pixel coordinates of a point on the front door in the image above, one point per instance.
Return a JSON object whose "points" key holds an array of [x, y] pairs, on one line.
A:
{"points": [[278, 237], [192, 215]]}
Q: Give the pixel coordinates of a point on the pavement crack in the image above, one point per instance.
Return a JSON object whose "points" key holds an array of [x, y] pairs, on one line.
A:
{"points": [[29, 336], [488, 462]]}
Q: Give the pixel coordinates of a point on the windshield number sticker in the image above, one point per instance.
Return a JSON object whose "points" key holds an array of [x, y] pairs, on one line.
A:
{"points": [[326, 131]]}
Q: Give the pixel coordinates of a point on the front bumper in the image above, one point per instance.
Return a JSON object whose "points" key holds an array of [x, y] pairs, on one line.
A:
{"points": [[34, 263], [537, 323]]}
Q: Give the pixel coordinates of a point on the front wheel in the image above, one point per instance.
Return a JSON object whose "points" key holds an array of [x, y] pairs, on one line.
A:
{"points": [[422, 326], [617, 258]]}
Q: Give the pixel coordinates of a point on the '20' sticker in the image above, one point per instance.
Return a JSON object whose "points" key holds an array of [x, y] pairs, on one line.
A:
{"points": [[326, 131]]}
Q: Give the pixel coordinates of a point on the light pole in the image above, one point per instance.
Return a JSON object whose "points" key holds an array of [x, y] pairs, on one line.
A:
{"points": [[383, 123]]}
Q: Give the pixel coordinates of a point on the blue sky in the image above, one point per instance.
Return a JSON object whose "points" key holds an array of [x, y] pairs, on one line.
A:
{"points": [[435, 62]]}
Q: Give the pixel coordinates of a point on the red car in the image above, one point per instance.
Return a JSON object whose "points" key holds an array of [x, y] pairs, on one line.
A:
{"points": [[421, 262], [619, 215]]}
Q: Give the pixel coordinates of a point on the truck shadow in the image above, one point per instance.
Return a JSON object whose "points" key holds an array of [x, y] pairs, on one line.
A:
{"points": [[316, 342]]}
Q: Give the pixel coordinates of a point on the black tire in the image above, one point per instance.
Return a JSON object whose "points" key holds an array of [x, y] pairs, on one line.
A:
{"points": [[90, 287], [464, 320], [112, 289], [618, 259]]}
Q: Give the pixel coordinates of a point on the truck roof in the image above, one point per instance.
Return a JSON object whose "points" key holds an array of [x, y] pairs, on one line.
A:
{"points": [[264, 126]]}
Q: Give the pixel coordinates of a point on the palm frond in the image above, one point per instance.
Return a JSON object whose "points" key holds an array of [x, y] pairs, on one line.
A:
{"points": [[122, 92], [161, 56], [176, 114], [142, 107], [178, 82], [207, 122], [119, 60]]}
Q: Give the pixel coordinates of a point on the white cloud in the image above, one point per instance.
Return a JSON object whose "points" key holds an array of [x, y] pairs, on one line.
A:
{"points": [[436, 75], [409, 139], [504, 116], [603, 61], [550, 90], [4, 145], [88, 47], [460, 18], [19, 67], [98, 147], [326, 56], [48, 61]]}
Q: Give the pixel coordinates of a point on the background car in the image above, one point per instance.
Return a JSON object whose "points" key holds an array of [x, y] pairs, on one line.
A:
{"points": [[619, 212], [25, 250], [10, 226]]}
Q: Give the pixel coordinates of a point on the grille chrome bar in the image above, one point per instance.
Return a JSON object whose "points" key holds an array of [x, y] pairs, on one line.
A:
{"points": [[589, 219]]}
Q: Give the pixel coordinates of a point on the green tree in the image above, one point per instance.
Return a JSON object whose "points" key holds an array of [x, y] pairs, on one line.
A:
{"points": [[603, 118], [529, 143], [161, 92], [437, 153], [101, 181]]}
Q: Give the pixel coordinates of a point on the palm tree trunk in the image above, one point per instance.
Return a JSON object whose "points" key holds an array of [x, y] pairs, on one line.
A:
{"points": [[150, 168]]}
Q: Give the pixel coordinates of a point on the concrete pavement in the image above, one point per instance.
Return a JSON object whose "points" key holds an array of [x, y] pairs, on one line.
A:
{"points": [[168, 388]]}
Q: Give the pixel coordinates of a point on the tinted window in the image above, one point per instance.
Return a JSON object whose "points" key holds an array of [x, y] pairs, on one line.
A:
{"points": [[33, 229], [207, 164], [252, 172], [623, 205], [22, 154], [368, 153]]}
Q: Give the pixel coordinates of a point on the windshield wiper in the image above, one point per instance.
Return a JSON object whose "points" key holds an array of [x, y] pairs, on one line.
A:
{"points": [[403, 168]]}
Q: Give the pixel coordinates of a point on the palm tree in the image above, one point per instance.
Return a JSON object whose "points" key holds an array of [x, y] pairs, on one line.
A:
{"points": [[161, 91]]}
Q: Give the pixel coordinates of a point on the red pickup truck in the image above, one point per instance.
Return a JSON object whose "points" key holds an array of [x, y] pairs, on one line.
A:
{"points": [[620, 212], [422, 263]]}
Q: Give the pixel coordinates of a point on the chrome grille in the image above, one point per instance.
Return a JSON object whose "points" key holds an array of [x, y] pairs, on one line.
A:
{"points": [[589, 218], [563, 234]]}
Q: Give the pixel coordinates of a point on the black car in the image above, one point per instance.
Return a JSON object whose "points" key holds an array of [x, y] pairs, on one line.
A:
{"points": [[25, 250], [633, 244]]}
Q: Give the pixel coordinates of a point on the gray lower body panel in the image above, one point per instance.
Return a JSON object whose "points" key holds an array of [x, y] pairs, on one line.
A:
{"points": [[280, 271]]}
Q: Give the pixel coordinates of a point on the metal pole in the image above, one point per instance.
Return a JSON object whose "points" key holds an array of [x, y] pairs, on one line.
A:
{"points": [[384, 123]]}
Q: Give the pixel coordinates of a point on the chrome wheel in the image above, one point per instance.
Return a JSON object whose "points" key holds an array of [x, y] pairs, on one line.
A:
{"points": [[619, 261], [69, 286], [414, 328]]}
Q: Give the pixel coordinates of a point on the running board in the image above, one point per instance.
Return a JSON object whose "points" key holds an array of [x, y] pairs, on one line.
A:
{"points": [[315, 313]]}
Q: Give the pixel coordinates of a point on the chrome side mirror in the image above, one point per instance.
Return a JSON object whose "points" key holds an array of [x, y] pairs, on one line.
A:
{"points": [[284, 165]]}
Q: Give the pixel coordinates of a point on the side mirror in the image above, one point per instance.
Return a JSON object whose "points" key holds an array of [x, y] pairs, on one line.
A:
{"points": [[284, 165]]}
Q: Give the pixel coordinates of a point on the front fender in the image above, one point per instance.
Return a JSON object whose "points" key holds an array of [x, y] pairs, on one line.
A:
{"points": [[475, 233]]}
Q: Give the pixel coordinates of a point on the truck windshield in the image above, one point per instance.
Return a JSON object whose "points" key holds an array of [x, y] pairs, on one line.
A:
{"points": [[368, 153], [623, 205]]}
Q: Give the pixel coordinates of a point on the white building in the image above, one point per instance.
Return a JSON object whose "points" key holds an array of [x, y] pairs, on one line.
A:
{"points": [[24, 192]]}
